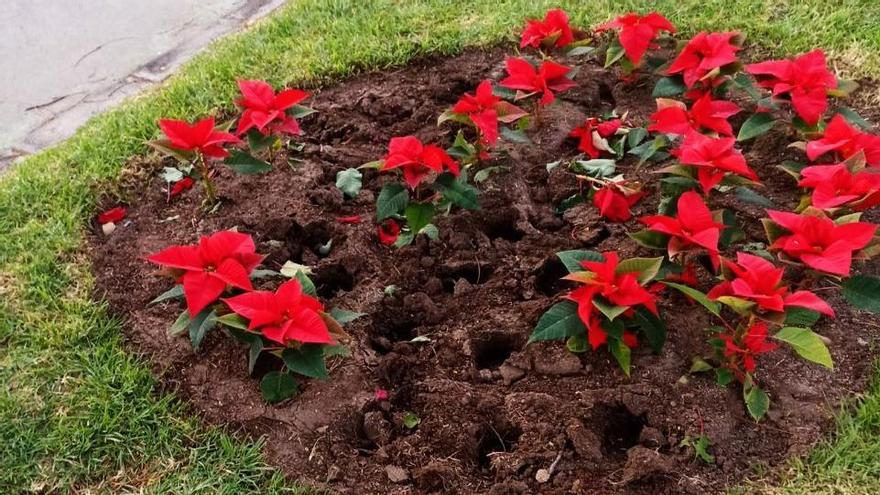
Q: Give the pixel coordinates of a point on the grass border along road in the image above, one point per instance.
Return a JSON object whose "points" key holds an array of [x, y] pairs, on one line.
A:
{"points": [[79, 414]]}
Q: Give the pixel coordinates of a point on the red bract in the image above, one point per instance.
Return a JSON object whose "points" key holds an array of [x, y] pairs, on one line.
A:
{"points": [[691, 229], [614, 202], [713, 157], [485, 110], [349, 219], [266, 111], [554, 30], [416, 159], [112, 215], [704, 53], [835, 186], [673, 117], [846, 141], [200, 137], [388, 232], [180, 186], [284, 315], [601, 279], [806, 79], [592, 132], [549, 77], [224, 259], [758, 281], [820, 243], [754, 343], [637, 33]]}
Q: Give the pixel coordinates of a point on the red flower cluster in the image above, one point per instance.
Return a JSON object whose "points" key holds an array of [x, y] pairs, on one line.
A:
{"points": [[757, 280], [620, 289], [846, 141], [692, 229], [614, 201], [703, 54], [284, 315], [713, 157], [752, 344], [805, 79], [417, 160], [485, 110], [388, 232], [265, 111], [224, 259], [820, 243], [637, 33], [549, 77], [200, 137], [592, 134], [835, 186], [706, 114], [554, 30]]}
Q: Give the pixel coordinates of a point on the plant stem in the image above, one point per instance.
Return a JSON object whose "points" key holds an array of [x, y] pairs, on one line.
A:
{"points": [[207, 182]]}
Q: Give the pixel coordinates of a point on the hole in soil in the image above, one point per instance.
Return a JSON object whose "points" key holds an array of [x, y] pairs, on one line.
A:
{"points": [[307, 241], [620, 429], [332, 279], [389, 333], [493, 440], [548, 278], [503, 225], [490, 351], [474, 272], [266, 362], [606, 95]]}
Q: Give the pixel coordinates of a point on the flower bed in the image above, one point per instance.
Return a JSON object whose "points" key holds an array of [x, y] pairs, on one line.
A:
{"points": [[446, 381]]}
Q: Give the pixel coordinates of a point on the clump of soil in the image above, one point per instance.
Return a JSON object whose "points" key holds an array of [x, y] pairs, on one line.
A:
{"points": [[493, 412]]}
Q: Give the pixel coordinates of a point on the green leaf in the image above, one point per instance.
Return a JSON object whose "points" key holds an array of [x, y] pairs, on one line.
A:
{"points": [[308, 360], [431, 231], [410, 420], [609, 310], [699, 365], [621, 353], [514, 135], [308, 286], [163, 146], [723, 376], [256, 347], [701, 448], [645, 268], [757, 401], [300, 111], [712, 306], [614, 53], [233, 320], [569, 202], [559, 322], [807, 344], [756, 125], [277, 386], [745, 82], [258, 274], [851, 115], [349, 181], [456, 191], [653, 328], [732, 232], [405, 239], [484, 174], [172, 293], [418, 215], [747, 195], [649, 239], [246, 164], [742, 306], [180, 324], [257, 141], [635, 136], [668, 86], [335, 350], [343, 316], [171, 174], [572, 259], [577, 344], [199, 326], [863, 291], [580, 50], [392, 200], [599, 167], [800, 317]]}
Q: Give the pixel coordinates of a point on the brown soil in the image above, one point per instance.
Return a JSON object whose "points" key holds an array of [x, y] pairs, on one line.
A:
{"points": [[493, 411]]}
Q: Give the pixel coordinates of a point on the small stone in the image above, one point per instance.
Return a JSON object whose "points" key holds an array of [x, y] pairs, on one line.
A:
{"points": [[510, 374], [560, 364], [651, 437], [108, 228], [396, 474], [542, 476]]}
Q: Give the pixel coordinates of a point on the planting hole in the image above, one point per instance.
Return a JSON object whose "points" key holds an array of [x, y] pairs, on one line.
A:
{"points": [[473, 271], [495, 439], [619, 428], [308, 242], [332, 279], [490, 351], [503, 225], [548, 278]]}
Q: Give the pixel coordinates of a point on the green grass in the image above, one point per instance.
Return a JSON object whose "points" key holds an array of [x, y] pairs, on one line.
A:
{"points": [[78, 414]]}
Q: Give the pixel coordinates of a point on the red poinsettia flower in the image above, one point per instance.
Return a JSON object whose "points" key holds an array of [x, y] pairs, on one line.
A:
{"points": [[614, 201], [592, 135], [265, 111], [704, 53], [284, 315], [485, 110], [550, 77], [600, 278], [805, 79], [637, 32], [706, 114], [114, 215], [200, 137], [754, 343], [598, 336], [835, 186], [820, 243], [713, 157], [758, 281], [388, 232], [846, 141], [693, 227], [180, 186], [417, 160], [554, 30], [223, 259]]}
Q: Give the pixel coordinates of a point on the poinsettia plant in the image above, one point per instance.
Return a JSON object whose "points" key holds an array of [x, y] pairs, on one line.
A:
{"points": [[611, 308], [706, 63], [841, 188], [841, 140], [268, 118], [636, 34], [528, 81]]}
